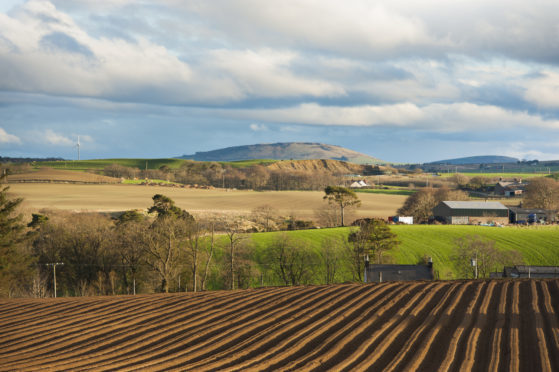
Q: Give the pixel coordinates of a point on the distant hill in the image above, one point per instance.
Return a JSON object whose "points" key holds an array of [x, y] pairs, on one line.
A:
{"points": [[487, 159], [284, 151]]}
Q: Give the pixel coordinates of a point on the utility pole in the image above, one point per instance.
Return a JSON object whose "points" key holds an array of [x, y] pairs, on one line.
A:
{"points": [[54, 264]]}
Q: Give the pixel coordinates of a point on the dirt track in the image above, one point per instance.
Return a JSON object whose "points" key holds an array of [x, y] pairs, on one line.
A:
{"points": [[424, 326]]}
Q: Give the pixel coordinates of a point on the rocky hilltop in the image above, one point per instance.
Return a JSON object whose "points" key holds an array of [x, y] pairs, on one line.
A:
{"points": [[284, 151]]}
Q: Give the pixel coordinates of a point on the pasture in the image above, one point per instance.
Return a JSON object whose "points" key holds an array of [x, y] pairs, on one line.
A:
{"points": [[537, 245], [496, 325], [113, 198]]}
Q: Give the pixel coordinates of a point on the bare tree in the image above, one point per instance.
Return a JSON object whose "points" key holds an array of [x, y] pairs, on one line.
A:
{"points": [[291, 260], [330, 256], [162, 246], [487, 257], [264, 216], [234, 234], [542, 193]]}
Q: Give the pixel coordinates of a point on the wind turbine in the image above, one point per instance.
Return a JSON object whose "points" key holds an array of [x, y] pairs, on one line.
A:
{"points": [[78, 146]]}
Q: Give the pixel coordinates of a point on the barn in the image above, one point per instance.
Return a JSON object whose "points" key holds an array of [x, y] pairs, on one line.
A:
{"points": [[389, 273], [471, 212], [524, 215]]}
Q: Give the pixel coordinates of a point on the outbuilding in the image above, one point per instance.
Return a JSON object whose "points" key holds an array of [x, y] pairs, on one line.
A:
{"points": [[471, 212], [390, 273], [525, 215]]}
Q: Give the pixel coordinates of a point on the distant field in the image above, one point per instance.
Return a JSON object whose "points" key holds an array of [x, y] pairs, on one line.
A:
{"points": [[61, 175], [302, 204], [390, 191], [493, 175], [538, 245], [138, 163]]}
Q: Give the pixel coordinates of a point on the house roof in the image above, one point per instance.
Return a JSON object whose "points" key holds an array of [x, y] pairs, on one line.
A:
{"points": [[474, 205], [532, 211]]}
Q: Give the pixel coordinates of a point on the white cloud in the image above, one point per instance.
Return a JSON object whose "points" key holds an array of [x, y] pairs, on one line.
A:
{"points": [[544, 91], [8, 138], [258, 127], [53, 138], [456, 117]]}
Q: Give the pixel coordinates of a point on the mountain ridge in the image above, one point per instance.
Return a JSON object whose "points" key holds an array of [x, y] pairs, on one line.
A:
{"points": [[284, 151], [483, 159]]}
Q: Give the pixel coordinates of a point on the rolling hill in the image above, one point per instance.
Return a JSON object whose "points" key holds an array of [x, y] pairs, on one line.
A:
{"points": [[486, 159], [284, 151]]}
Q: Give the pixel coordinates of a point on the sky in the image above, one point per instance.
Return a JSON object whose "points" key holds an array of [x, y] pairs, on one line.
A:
{"points": [[403, 81]]}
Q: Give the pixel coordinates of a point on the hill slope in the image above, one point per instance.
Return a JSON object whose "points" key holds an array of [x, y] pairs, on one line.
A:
{"points": [[487, 159], [408, 326], [284, 151]]}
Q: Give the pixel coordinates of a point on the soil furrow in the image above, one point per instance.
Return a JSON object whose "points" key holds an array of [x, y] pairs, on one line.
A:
{"points": [[459, 332], [255, 320], [311, 333], [89, 343], [407, 350], [419, 357], [497, 337], [472, 345], [377, 356]]}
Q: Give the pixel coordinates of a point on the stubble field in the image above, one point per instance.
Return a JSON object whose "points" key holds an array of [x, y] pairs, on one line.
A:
{"points": [[112, 198], [495, 325]]}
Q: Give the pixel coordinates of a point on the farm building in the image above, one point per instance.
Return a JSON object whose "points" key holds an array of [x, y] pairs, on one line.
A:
{"points": [[523, 215], [471, 212], [510, 188], [525, 271], [390, 273], [358, 184]]}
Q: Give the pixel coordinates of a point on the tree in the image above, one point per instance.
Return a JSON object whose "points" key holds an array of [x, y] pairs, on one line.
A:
{"points": [[342, 197], [290, 260], [164, 240], [233, 232], [264, 216], [374, 237], [15, 263], [165, 207], [488, 258], [542, 193], [420, 204]]}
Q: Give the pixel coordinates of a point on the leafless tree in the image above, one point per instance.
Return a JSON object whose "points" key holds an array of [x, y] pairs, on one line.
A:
{"points": [[542, 192]]}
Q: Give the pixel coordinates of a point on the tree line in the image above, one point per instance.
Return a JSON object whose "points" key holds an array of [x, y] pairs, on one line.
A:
{"points": [[256, 177]]}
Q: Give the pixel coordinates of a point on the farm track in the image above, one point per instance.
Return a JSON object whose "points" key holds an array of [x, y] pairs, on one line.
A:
{"points": [[423, 326]]}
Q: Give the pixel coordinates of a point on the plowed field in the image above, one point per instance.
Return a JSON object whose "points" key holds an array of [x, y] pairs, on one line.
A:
{"points": [[424, 326]]}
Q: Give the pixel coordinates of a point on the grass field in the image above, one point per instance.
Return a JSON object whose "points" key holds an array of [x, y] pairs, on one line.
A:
{"points": [[302, 204], [387, 191], [538, 245], [495, 175], [172, 163]]}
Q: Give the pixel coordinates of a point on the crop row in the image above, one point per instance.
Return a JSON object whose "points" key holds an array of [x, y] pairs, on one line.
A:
{"points": [[423, 326]]}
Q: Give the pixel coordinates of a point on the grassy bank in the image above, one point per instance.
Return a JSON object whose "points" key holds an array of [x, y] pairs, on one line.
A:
{"points": [[538, 245]]}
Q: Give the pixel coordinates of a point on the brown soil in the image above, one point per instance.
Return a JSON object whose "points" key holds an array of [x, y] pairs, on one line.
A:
{"points": [[425, 326]]}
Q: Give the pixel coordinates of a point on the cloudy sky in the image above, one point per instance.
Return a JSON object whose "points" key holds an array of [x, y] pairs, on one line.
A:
{"points": [[404, 81]]}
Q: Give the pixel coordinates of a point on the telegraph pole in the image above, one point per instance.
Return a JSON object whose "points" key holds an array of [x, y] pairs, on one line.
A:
{"points": [[54, 264]]}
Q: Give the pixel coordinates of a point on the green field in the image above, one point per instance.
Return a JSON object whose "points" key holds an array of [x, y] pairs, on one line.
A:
{"points": [[538, 245], [172, 163], [495, 175], [388, 191]]}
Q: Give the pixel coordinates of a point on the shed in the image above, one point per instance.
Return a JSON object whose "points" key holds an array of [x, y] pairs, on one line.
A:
{"points": [[390, 273], [510, 188], [471, 212], [525, 215], [525, 271]]}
